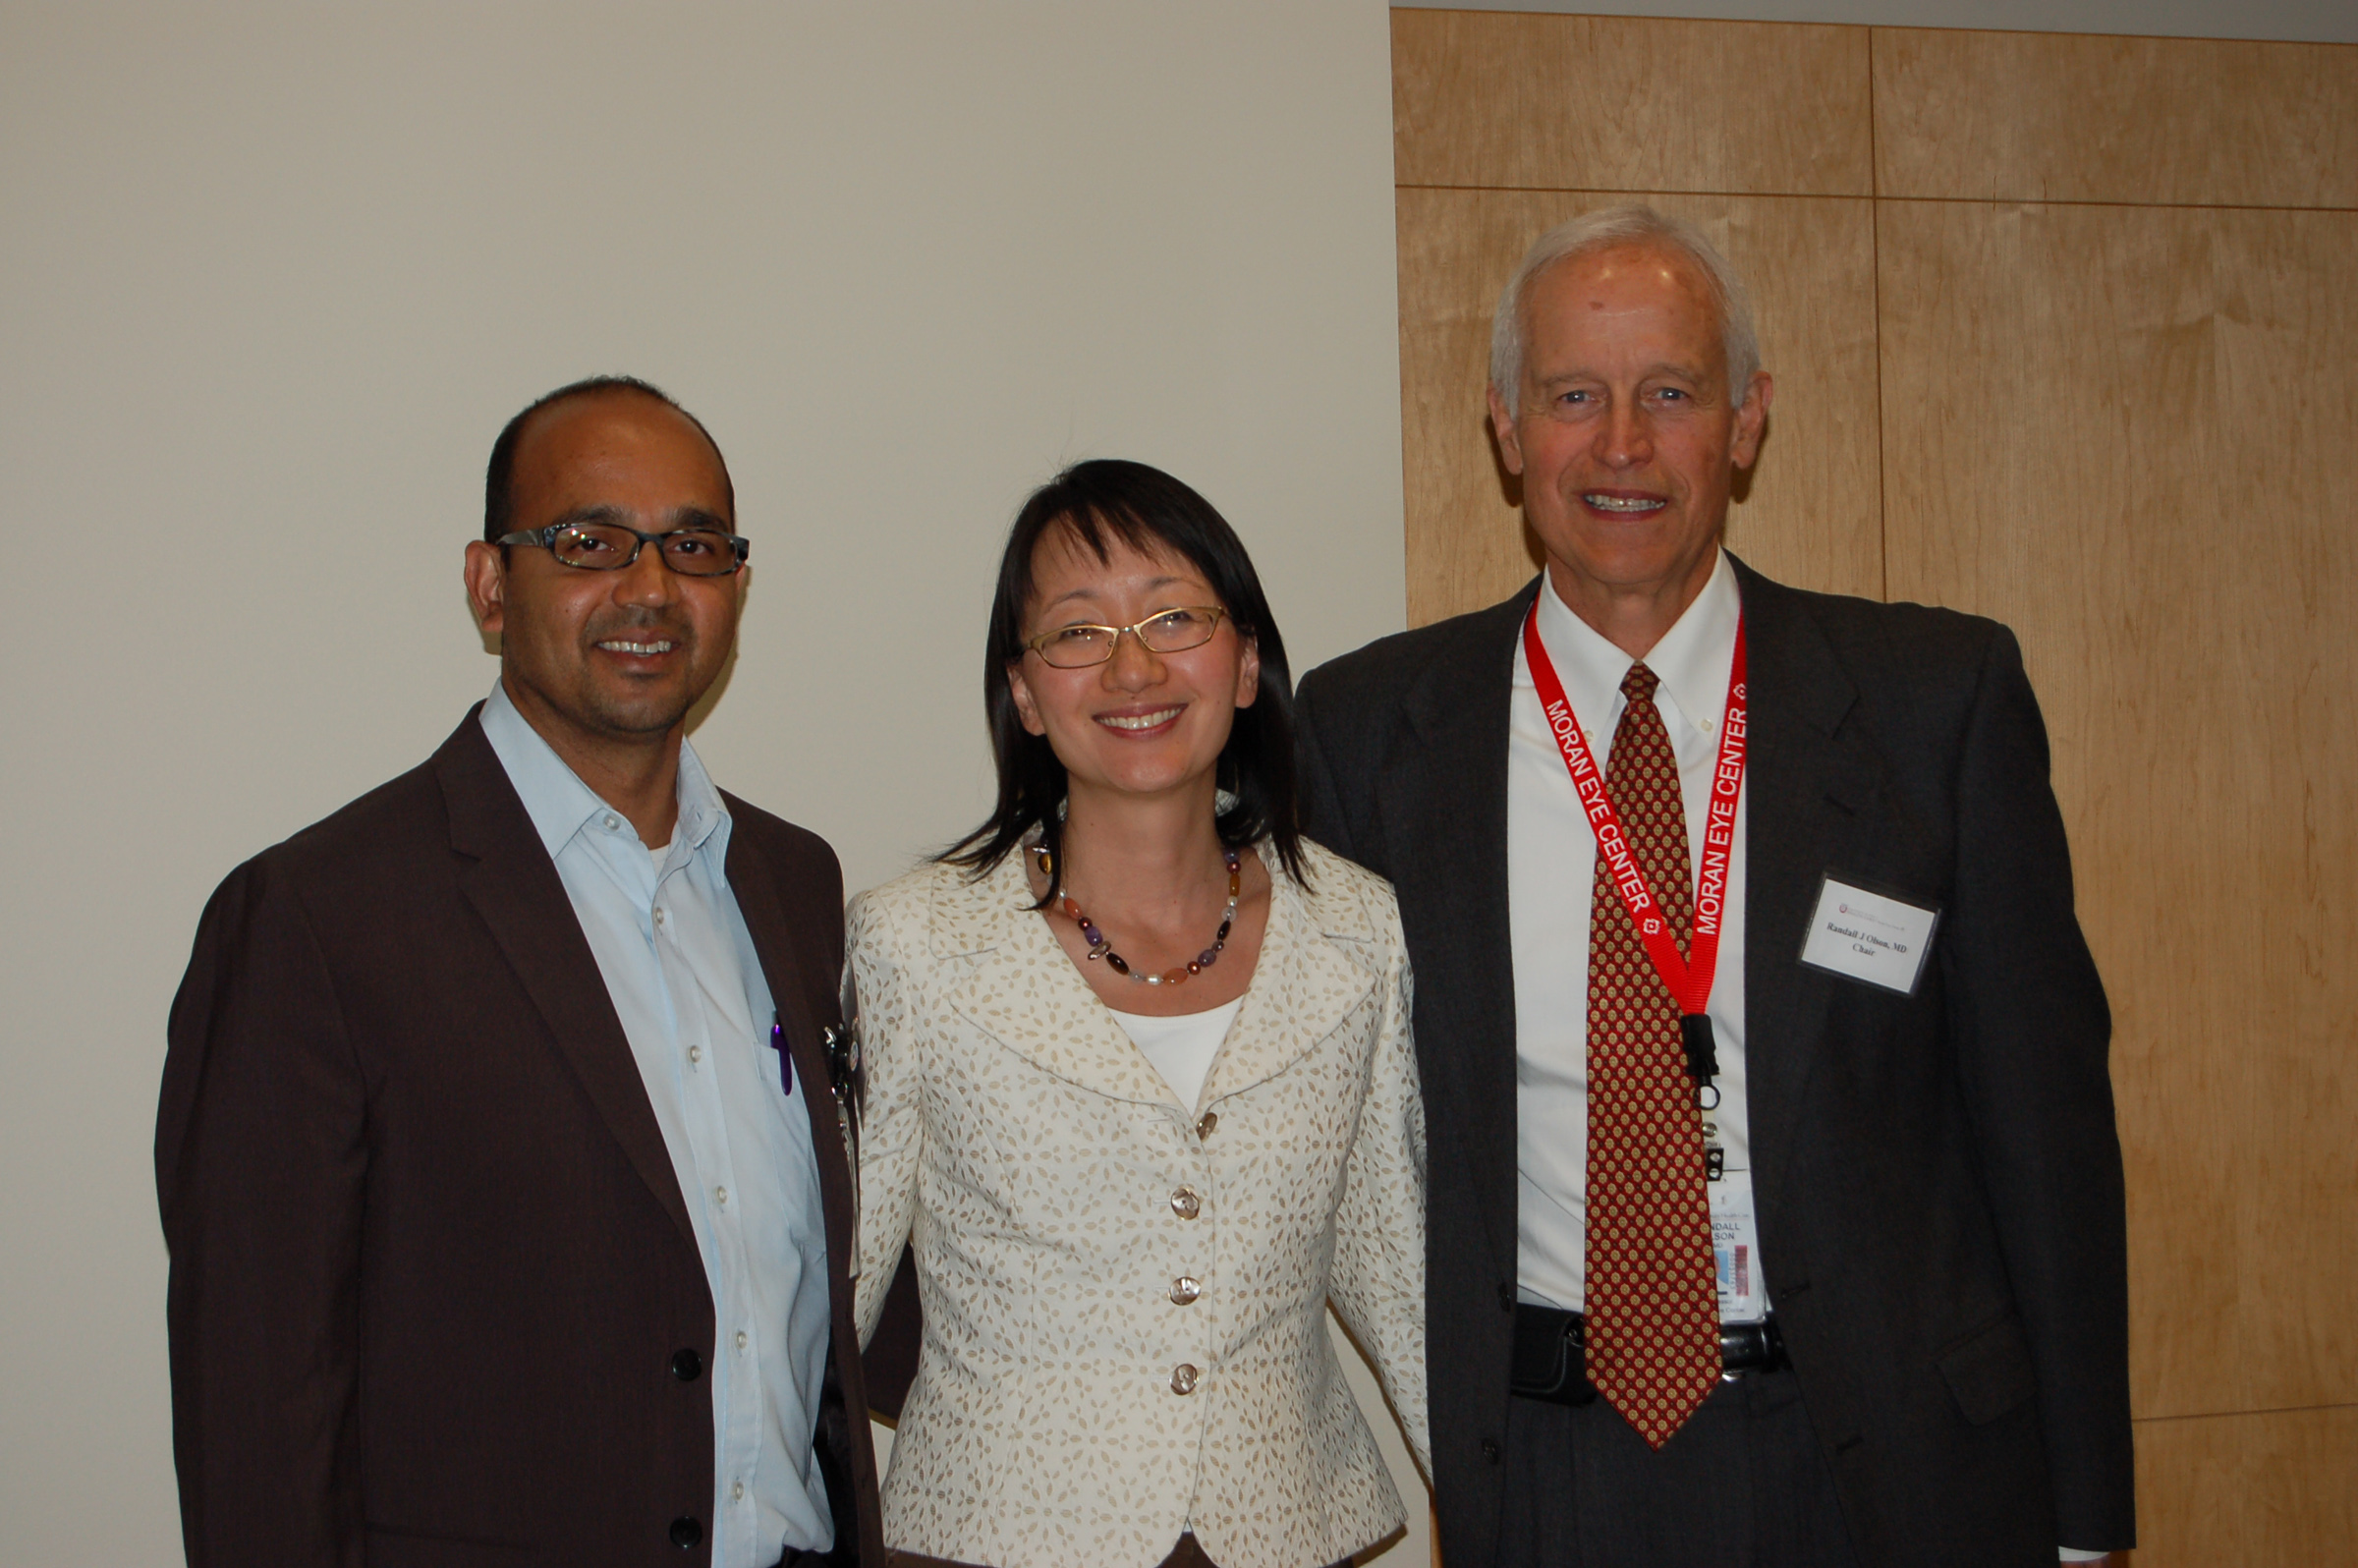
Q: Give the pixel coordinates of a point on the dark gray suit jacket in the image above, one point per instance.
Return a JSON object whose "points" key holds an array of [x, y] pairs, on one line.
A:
{"points": [[435, 1298], [1937, 1177]]}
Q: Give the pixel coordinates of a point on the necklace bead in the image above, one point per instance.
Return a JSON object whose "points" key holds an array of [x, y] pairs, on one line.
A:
{"points": [[1098, 947]]}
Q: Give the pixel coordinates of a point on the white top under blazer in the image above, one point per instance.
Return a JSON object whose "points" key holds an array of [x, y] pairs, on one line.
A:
{"points": [[1125, 1305]]}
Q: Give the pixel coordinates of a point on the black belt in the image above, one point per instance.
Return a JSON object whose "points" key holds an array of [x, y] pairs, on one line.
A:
{"points": [[1551, 1353]]}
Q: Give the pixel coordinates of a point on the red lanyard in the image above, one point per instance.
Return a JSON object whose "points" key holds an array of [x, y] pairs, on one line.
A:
{"points": [[1689, 977]]}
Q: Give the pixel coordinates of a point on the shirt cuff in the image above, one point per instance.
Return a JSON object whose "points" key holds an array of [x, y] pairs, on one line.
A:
{"points": [[2074, 1554]]}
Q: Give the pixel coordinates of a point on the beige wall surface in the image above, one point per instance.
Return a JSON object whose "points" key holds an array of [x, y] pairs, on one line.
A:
{"points": [[271, 276]]}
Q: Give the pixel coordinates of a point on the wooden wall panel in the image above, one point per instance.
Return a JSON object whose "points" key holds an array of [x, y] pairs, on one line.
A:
{"points": [[2048, 117], [2126, 431], [1608, 103], [1812, 516], [2274, 1490]]}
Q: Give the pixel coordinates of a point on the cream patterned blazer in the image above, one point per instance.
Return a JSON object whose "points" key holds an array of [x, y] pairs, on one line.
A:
{"points": [[1074, 1407]]}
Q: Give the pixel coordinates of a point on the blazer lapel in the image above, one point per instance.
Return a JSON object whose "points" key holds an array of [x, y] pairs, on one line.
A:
{"points": [[1023, 990], [754, 882], [1304, 985], [1448, 858], [1814, 783], [514, 887]]}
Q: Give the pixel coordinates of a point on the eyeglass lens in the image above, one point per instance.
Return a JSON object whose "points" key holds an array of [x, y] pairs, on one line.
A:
{"points": [[1072, 648], [601, 548]]}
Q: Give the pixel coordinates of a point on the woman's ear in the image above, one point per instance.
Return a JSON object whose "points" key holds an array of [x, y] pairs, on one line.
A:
{"points": [[1026, 709], [1247, 674]]}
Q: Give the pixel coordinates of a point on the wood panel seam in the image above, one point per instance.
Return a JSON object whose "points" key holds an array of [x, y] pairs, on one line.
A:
{"points": [[2227, 1415], [1823, 195], [1882, 416]]}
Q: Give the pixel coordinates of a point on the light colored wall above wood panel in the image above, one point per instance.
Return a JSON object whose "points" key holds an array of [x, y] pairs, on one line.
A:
{"points": [[1812, 517], [1617, 103], [2126, 433], [2046, 117]]}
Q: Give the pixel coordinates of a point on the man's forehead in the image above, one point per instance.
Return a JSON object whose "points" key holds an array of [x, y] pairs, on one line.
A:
{"points": [[602, 437], [1582, 301]]}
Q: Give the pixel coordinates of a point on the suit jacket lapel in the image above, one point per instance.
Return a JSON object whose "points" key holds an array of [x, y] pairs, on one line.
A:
{"points": [[1304, 985], [756, 883], [1447, 858], [1024, 993], [1814, 783], [514, 886]]}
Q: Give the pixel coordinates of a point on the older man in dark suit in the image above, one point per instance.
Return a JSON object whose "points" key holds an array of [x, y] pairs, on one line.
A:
{"points": [[1776, 1209], [500, 1157]]}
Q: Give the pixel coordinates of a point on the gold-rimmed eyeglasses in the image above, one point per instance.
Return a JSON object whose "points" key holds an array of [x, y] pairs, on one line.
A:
{"points": [[1075, 648]]}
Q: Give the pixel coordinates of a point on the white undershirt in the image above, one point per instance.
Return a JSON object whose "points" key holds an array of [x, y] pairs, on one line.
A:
{"points": [[1182, 1047]]}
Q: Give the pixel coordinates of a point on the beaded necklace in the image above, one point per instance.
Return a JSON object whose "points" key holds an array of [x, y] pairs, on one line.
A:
{"points": [[1098, 947]]}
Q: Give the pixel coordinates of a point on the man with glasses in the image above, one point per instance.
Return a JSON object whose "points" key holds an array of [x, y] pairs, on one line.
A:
{"points": [[502, 1158]]}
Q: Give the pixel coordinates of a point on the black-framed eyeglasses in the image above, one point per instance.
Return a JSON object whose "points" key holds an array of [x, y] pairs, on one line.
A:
{"points": [[610, 546], [1075, 648]]}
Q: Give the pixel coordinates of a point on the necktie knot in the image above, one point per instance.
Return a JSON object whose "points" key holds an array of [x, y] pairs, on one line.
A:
{"points": [[1639, 684]]}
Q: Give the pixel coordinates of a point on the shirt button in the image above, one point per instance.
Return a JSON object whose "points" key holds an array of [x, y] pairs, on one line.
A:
{"points": [[614, 823], [1183, 1378], [1186, 1203], [737, 1492], [720, 1195], [1212, 1119], [740, 1339], [1185, 1290], [696, 1053], [659, 914]]}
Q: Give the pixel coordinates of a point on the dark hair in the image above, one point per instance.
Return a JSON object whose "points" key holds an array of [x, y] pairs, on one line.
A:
{"points": [[1102, 502], [499, 478]]}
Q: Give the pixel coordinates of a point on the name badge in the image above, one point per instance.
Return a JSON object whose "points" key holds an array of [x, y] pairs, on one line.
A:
{"points": [[1736, 1248], [1865, 935]]}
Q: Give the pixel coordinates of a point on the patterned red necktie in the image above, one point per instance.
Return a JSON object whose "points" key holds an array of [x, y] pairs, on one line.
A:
{"points": [[1653, 1296]]}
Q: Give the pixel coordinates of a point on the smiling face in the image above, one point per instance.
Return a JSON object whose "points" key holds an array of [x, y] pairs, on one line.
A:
{"points": [[594, 660], [1142, 723], [1627, 438]]}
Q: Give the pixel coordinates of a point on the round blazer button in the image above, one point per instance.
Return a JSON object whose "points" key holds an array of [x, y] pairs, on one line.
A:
{"points": [[685, 1531], [687, 1365], [1183, 1378], [1212, 1119], [1489, 1449], [1185, 1290], [1186, 1203]]}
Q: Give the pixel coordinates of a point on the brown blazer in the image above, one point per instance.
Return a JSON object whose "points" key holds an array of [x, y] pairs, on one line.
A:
{"points": [[433, 1275]]}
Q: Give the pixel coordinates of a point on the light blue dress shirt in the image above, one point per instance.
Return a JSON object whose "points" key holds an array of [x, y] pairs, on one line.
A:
{"points": [[680, 967]]}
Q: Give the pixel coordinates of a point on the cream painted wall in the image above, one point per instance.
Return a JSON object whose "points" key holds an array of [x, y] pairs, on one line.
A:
{"points": [[271, 276]]}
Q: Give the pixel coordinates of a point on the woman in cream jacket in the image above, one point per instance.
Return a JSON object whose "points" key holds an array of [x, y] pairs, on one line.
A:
{"points": [[1140, 1090]]}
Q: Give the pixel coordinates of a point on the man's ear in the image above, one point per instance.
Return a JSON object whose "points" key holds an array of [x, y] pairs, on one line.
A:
{"points": [[1752, 418], [1025, 709], [487, 585], [1502, 424]]}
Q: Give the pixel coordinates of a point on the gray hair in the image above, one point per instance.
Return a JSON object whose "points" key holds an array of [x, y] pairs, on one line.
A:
{"points": [[1631, 223]]}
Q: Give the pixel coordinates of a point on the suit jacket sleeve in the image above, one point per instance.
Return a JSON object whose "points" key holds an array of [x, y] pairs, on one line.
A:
{"points": [[260, 1161], [1377, 1283], [2035, 1030], [893, 1129]]}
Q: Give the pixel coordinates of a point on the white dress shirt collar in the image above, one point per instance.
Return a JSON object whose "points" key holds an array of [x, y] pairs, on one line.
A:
{"points": [[560, 804], [1691, 661]]}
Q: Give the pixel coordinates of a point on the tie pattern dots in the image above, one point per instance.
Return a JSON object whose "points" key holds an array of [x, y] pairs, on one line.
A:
{"points": [[1653, 1303]]}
